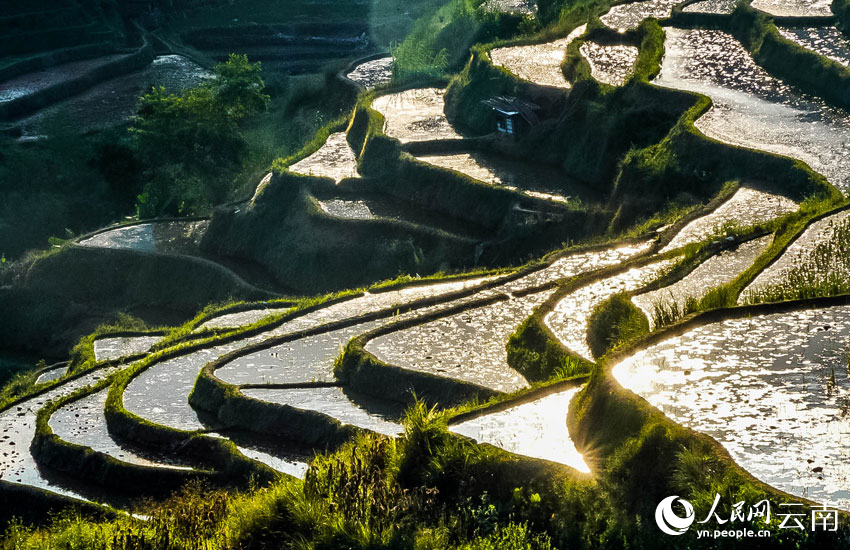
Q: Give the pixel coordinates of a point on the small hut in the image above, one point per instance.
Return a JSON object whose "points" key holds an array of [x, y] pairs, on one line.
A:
{"points": [[514, 116]]}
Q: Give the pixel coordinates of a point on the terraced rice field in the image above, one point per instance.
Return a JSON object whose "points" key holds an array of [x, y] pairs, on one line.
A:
{"points": [[538, 63]]}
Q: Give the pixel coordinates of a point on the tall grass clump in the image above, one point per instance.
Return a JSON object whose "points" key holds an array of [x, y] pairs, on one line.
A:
{"points": [[614, 321], [825, 271]]}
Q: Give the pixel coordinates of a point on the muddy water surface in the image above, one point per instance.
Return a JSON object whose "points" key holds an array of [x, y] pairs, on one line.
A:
{"points": [[773, 390], [332, 402], [537, 429], [794, 8], [712, 6]]}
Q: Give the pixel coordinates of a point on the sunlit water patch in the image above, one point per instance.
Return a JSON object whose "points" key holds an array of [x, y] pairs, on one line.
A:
{"points": [[350, 210], [243, 318], [537, 429], [370, 74], [415, 115], [334, 160], [794, 8], [746, 207], [712, 6], [332, 402], [172, 237], [82, 422], [799, 255], [568, 320], [610, 64], [716, 271], [827, 41], [753, 109], [52, 374], [628, 16], [773, 390], [538, 63], [106, 349]]}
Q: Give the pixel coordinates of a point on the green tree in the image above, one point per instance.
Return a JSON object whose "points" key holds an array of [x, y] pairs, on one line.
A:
{"points": [[190, 144]]}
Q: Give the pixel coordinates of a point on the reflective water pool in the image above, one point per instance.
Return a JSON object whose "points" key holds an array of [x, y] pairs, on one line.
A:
{"points": [[538, 63], [628, 16], [753, 109], [716, 271], [170, 237], [568, 320], [334, 159], [794, 8], [774, 390], [373, 73], [350, 210], [711, 6], [537, 429], [746, 207], [801, 254], [610, 64], [827, 41], [415, 115], [123, 346]]}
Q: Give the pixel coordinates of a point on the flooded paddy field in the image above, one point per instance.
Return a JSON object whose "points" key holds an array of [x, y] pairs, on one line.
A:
{"points": [[718, 270], [106, 349], [470, 345], [568, 320], [349, 210], [610, 64], [160, 393], [82, 422], [532, 179], [753, 109], [826, 41], [36, 81], [774, 390], [522, 7], [537, 429], [794, 8], [336, 404], [812, 252], [467, 346], [711, 6], [538, 63], [114, 101], [415, 115], [301, 361], [628, 16], [167, 237], [334, 159], [746, 207], [370, 74], [17, 430]]}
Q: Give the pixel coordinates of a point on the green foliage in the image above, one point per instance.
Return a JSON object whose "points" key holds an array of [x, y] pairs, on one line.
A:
{"points": [[538, 356], [190, 144], [613, 322], [511, 537]]}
